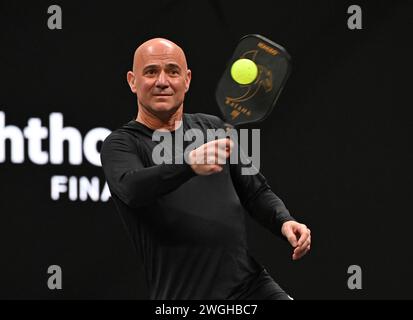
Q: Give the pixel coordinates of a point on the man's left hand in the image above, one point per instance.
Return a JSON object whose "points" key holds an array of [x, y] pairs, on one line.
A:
{"points": [[299, 236]]}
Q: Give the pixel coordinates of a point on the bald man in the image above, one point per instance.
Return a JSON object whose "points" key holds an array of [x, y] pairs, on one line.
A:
{"points": [[186, 220]]}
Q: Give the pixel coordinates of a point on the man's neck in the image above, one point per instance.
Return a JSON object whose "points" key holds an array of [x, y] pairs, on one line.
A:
{"points": [[169, 123]]}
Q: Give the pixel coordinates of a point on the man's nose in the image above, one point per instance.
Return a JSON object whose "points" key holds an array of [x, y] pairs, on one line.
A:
{"points": [[162, 81]]}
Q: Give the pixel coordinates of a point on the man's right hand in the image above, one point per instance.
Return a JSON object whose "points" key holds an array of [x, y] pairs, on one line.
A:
{"points": [[210, 157]]}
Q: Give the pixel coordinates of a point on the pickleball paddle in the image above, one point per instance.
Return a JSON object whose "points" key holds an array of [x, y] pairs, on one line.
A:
{"points": [[252, 81]]}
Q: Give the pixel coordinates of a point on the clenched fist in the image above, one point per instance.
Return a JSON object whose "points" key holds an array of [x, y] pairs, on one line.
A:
{"points": [[210, 157]]}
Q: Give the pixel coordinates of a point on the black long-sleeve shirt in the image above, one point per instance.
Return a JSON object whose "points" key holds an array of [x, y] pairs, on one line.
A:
{"points": [[188, 229]]}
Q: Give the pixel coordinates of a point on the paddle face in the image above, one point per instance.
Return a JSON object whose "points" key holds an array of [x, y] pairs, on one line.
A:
{"points": [[251, 103]]}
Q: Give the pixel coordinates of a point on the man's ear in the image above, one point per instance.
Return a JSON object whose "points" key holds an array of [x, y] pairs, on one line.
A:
{"points": [[188, 80], [130, 77]]}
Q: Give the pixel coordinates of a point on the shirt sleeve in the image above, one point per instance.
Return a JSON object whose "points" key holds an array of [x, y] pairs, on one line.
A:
{"points": [[257, 197], [135, 184]]}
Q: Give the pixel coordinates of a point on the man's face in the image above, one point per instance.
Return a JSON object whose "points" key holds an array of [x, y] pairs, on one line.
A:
{"points": [[160, 77]]}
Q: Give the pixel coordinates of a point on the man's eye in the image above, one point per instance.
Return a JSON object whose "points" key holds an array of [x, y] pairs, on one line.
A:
{"points": [[150, 72]]}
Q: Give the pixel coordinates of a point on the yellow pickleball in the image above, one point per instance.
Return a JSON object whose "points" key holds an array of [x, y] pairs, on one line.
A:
{"points": [[244, 71]]}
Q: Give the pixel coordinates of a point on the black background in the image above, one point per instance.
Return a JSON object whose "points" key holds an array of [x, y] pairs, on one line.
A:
{"points": [[336, 148]]}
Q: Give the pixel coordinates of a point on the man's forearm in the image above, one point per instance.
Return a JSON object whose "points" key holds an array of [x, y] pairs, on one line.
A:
{"points": [[269, 210], [141, 187]]}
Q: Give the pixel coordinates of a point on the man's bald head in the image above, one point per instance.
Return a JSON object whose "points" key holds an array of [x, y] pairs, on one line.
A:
{"points": [[160, 79], [159, 47]]}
